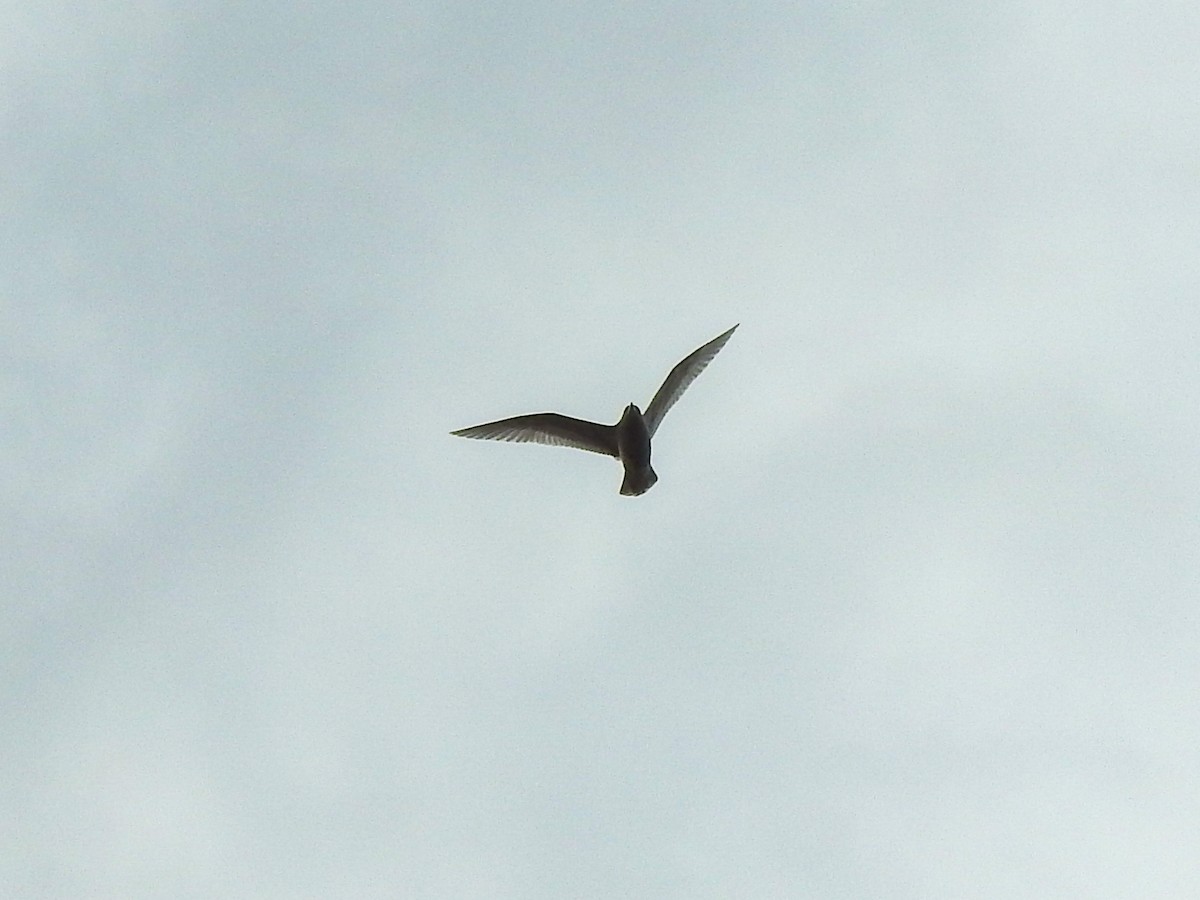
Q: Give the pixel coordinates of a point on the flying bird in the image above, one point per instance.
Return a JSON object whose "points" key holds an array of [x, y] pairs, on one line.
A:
{"points": [[628, 440]]}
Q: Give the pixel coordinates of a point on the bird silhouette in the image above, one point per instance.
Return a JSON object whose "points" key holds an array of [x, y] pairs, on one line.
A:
{"points": [[628, 440]]}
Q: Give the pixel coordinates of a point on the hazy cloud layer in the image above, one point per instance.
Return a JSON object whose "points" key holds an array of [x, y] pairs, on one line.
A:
{"points": [[911, 611]]}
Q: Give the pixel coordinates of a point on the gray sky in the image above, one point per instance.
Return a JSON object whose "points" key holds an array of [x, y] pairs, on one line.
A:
{"points": [[912, 609]]}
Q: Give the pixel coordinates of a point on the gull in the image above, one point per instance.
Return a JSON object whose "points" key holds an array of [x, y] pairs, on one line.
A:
{"points": [[628, 440]]}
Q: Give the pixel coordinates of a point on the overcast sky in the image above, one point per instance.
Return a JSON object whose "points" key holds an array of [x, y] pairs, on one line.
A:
{"points": [[912, 610]]}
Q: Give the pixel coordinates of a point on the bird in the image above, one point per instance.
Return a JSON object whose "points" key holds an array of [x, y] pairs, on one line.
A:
{"points": [[628, 440]]}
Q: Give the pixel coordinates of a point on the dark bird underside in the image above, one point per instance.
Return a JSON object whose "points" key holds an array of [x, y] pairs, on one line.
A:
{"points": [[628, 440]]}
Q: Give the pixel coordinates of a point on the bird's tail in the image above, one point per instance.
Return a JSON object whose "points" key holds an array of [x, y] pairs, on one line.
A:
{"points": [[638, 481]]}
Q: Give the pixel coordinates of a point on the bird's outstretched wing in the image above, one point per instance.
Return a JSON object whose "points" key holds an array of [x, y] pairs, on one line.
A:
{"points": [[681, 376], [548, 428]]}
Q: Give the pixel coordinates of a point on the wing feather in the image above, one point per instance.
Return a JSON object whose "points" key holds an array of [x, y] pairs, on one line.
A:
{"points": [[680, 377], [548, 428]]}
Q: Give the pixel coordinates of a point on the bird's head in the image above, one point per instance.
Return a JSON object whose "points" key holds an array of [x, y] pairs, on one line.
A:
{"points": [[631, 414]]}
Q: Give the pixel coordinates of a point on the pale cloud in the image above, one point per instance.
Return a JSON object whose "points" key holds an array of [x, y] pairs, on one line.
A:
{"points": [[908, 612]]}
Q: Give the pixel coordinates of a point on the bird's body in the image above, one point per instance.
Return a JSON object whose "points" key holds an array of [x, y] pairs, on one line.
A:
{"points": [[628, 440], [633, 448]]}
